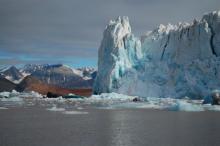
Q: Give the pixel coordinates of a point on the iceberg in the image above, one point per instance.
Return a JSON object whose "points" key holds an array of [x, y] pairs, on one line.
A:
{"points": [[170, 61]]}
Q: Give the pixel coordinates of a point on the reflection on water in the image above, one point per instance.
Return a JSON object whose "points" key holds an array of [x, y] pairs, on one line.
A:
{"points": [[120, 134], [107, 127], [161, 128]]}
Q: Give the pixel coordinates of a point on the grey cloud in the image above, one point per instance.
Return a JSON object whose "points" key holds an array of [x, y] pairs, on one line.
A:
{"points": [[74, 27]]}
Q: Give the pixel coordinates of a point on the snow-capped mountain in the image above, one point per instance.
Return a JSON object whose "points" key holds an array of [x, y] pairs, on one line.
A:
{"points": [[85, 72], [63, 76], [12, 74], [56, 74], [6, 85], [170, 61]]}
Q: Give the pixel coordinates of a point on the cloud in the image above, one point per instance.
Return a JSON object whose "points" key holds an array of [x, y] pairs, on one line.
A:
{"points": [[73, 28]]}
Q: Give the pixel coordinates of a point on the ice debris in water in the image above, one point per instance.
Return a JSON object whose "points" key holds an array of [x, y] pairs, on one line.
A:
{"points": [[56, 109], [9, 94], [15, 98], [105, 101], [20, 94], [112, 96], [75, 112], [118, 101], [3, 108], [64, 111], [182, 105]]}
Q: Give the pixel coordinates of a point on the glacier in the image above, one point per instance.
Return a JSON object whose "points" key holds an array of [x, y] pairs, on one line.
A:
{"points": [[171, 61]]}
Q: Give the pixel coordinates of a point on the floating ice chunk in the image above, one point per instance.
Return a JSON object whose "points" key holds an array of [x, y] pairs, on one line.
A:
{"points": [[56, 109], [14, 92], [209, 107], [75, 112], [36, 94], [215, 108], [108, 99], [4, 94], [20, 94], [71, 94], [173, 104], [183, 105], [3, 108], [31, 94], [58, 99], [12, 99], [80, 108], [112, 96]]}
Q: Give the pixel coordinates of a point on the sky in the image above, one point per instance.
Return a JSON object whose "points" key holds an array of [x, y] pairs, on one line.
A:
{"points": [[70, 31]]}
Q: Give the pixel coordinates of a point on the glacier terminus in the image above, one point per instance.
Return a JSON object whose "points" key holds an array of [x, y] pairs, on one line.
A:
{"points": [[170, 61]]}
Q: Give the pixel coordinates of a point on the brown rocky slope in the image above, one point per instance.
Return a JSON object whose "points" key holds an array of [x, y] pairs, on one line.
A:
{"points": [[31, 83]]}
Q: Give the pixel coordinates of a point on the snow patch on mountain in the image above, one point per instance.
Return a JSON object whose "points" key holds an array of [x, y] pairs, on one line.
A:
{"points": [[12, 74]]}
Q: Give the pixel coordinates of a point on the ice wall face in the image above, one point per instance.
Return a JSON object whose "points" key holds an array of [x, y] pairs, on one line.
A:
{"points": [[119, 51], [179, 44], [213, 19], [171, 61]]}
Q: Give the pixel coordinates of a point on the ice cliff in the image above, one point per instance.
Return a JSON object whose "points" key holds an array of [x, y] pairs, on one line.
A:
{"points": [[170, 61]]}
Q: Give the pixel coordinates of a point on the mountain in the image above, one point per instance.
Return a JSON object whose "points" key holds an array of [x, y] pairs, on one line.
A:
{"points": [[12, 74], [6, 85], [62, 75], [56, 74], [48, 78], [170, 61], [31, 68], [31, 83]]}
